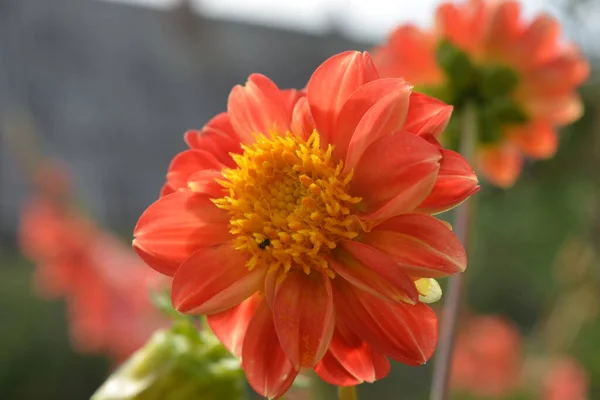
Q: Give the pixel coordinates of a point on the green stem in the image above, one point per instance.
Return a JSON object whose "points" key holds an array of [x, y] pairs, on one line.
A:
{"points": [[462, 223], [347, 393]]}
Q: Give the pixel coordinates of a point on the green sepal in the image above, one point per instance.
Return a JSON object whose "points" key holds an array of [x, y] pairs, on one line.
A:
{"points": [[497, 81]]}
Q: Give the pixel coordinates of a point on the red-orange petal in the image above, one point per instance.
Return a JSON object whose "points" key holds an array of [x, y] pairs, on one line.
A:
{"points": [[404, 332], [500, 165], [331, 370], [268, 369], [177, 225], [213, 280], [303, 124], [536, 140], [303, 315], [455, 182], [421, 245], [374, 110], [395, 175], [217, 137], [427, 115], [504, 28], [560, 110], [539, 42], [188, 162], [331, 85], [205, 181], [230, 326], [373, 271], [258, 107]]}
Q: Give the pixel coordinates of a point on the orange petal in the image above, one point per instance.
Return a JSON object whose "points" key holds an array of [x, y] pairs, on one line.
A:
{"points": [[303, 316], [504, 28], [421, 245], [291, 97], [373, 271], [230, 326], [356, 356], [205, 181], [409, 54], [501, 165], [303, 124], [427, 115], [177, 225], [560, 110], [462, 24], [331, 370], [217, 137], [456, 181], [395, 175], [188, 162], [539, 41], [267, 368], [331, 85], [374, 110], [258, 107], [557, 77], [214, 279], [537, 139], [404, 332]]}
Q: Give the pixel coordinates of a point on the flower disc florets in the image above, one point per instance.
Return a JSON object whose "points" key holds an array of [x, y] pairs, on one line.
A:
{"points": [[288, 203]]}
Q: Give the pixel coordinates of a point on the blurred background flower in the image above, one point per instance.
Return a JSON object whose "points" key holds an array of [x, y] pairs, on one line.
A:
{"points": [[102, 80]]}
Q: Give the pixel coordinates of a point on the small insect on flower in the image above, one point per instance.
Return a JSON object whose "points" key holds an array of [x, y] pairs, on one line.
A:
{"points": [[263, 245]]}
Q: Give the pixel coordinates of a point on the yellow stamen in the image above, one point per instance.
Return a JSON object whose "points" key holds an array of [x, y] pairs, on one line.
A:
{"points": [[288, 203]]}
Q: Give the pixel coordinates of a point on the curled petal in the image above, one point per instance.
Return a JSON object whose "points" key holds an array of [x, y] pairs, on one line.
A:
{"points": [[258, 107], [230, 325], [421, 245], [395, 175], [404, 332], [536, 140], [217, 137], [177, 225], [303, 124], [291, 97], [374, 110], [427, 115], [374, 272], [303, 316], [501, 165], [267, 368], [456, 181], [214, 279], [188, 162], [331, 85]]}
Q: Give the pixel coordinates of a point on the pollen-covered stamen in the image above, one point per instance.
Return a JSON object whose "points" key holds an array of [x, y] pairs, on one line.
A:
{"points": [[288, 202]]}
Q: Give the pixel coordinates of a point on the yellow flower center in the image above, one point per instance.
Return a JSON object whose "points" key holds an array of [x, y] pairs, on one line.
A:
{"points": [[288, 203]]}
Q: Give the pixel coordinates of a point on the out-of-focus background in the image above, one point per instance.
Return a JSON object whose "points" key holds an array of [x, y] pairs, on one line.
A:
{"points": [[109, 87]]}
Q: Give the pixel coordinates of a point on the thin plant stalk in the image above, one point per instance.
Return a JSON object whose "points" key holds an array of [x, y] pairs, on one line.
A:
{"points": [[462, 223], [347, 393]]}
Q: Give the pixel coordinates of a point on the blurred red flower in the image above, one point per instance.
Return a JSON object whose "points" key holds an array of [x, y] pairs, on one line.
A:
{"points": [[520, 73], [105, 284], [566, 379], [288, 190], [487, 357]]}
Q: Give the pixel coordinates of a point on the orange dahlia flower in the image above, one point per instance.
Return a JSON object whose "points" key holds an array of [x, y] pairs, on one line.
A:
{"points": [[519, 74], [300, 222]]}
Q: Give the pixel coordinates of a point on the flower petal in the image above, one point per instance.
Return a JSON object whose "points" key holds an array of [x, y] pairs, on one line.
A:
{"points": [[217, 137], [426, 115], [560, 110], [230, 325], [303, 316], [303, 124], [404, 332], [214, 279], [267, 368], [504, 28], [205, 181], [331, 370], [374, 110], [501, 165], [258, 107], [188, 162], [421, 245], [539, 42], [177, 225], [373, 271], [395, 175], [332, 83], [456, 181], [537, 139]]}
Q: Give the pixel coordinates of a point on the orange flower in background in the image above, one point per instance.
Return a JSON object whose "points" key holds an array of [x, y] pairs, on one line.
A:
{"points": [[105, 284], [487, 357], [520, 75], [566, 379], [301, 224]]}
